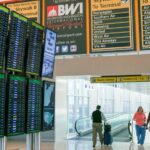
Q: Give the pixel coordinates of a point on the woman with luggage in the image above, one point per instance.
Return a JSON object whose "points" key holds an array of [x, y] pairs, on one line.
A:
{"points": [[140, 118]]}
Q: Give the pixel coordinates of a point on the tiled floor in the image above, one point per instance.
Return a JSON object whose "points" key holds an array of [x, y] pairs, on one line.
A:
{"points": [[79, 145]]}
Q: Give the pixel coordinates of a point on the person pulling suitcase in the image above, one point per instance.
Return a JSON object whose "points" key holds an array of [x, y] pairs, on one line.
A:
{"points": [[97, 126]]}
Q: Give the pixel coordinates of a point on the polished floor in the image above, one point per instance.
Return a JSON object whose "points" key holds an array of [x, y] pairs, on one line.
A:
{"points": [[18, 143], [79, 145]]}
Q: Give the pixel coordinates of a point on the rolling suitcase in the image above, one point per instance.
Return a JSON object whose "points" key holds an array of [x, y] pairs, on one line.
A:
{"points": [[107, 134]]}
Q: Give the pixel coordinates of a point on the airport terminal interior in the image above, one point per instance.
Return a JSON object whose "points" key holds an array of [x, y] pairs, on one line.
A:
{"points": [[59, 59], [76, 98]]}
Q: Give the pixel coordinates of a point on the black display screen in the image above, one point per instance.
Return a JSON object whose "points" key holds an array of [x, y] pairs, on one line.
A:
{"points": [[49, 106], [34, 49], [17, 43], [4, 16], [34, 107], [2, 103], [49, 54], [16, 105]]}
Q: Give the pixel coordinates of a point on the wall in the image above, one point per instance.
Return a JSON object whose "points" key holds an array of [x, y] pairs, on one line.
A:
{"points": [[111, 65]]}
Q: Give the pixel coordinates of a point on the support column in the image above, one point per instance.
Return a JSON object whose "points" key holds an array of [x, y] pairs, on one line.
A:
{"points": [[29, 142], [37, 141], [3, 143]]}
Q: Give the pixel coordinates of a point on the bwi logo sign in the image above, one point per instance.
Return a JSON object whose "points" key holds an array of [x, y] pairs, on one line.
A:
{"points": [[52, 11], [64, 10]]}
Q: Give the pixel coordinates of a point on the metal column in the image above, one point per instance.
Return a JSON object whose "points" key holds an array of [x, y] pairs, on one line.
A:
{"points": [[37, 141], [29, 142], [3, 145]]}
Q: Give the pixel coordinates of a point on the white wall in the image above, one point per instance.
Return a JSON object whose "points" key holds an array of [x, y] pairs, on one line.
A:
{"points": [[61, 110]]}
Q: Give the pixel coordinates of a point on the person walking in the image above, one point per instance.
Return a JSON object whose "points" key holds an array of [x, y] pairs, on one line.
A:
{"points": [[140, 118], [97, 127]]}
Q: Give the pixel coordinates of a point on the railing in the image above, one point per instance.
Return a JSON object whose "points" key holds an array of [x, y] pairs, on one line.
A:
{"points": [[119, 122], [83, 126]]}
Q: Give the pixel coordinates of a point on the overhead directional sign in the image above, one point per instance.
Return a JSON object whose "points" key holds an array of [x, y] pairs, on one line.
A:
{"points": [[111, 25], [115, 79], [145, 23]]}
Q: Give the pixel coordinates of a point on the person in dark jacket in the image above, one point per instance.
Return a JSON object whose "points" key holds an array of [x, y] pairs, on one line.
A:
{"points": [[97, 127]]}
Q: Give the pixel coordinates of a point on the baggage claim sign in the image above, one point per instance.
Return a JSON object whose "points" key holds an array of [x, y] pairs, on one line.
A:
{"points": [[111, 25], [67, 19]]}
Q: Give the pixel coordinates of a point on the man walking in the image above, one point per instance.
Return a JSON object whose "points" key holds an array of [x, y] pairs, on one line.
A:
{"points": [[97, 117]]}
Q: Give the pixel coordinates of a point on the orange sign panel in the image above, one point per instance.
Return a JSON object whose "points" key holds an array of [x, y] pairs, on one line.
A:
{"points": [[9, 1], [111, 25], [145, 23], [27, 9]]}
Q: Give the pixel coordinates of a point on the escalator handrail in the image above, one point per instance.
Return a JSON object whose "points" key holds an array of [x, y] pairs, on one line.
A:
{"points": [[129, 130], [79, 133], [83, 118]]}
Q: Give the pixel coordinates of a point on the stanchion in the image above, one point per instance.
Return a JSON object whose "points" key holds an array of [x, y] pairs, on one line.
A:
{"points": [[3, 143], [29, 142], [37, 141]]}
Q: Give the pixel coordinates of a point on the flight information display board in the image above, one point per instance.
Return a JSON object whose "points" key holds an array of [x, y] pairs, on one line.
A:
{"points": [[145, 24], [2, 103], [16, 105], [49, 54], [34, 49], [17, 43], [34, 106], [4, 16], [112, 25], [49, 106]]}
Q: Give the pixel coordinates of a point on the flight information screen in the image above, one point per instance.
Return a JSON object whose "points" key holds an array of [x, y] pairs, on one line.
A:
{"points": [[2, 103], [34, 107], [49, 54], [16, 105], [4, 15], [17, 42], [49, 106], [34, 49]]}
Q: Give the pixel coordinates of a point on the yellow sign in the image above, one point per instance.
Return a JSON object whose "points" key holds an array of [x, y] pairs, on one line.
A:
{"points": [[111, 25], [27, 9], [133, 79], [103, 79], [145, 23], [120, 79]]}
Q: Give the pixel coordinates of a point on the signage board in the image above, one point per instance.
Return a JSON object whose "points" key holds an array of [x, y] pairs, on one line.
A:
{"points": [[111, 24], [48, 106], [145, 24], [68, 20], [17, 42], [49, 54], [4, 18], [115, 79], [34, 108], [16, 105], [9, 1], [35, 51], [28, 9], [3, 80]]}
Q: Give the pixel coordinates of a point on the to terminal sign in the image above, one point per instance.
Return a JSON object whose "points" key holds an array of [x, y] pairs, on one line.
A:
{"points": [[111, 25], [145, 23]]}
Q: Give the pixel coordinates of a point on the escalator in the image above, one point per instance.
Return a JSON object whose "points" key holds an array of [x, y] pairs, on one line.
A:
{"points": [[120, 123]]}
